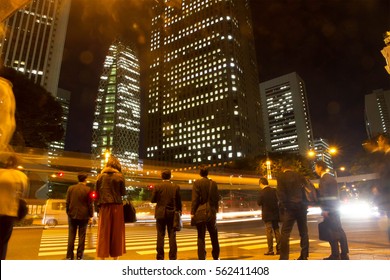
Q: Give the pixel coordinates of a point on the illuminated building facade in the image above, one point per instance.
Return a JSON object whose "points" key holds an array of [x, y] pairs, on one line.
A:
{"points": [[377, 113], [286, 115], [203, 99], [34, 41], [321, 149], [117, 116], [56, 148]]}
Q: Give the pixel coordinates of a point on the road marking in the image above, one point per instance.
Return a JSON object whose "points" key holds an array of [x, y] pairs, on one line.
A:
{"points": [[53, 245]]}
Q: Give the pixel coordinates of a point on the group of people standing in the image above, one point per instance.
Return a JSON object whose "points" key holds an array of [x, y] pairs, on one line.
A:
{"points": [[287, 204], [167, 198], [110, 189]]}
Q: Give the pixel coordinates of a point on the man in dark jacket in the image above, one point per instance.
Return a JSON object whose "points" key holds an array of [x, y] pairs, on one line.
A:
{"points": [[329, 202], [292, 208], [268, 201], [79, 209], [205, 190], [167, 197]]}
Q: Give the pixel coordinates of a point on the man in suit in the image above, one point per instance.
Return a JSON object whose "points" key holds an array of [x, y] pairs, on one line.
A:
{"points": [[268, 201], [79, 209], [167, 197], [329, 202], [292, 208], [204, 190]]}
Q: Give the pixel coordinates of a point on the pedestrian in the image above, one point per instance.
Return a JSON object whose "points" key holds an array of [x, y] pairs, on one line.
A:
{"points": [[268, 201], [80, 210], [292, 208], [204, 190], [329, 203], [110, 187], [13, 186], [381, 149], [167, 197]]}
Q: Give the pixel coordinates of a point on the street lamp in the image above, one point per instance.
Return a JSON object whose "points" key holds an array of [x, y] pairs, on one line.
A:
{"points": [[268, 164]]}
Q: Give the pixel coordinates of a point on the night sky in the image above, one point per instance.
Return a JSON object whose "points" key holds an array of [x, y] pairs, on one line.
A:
{"points": [[334, 45]]}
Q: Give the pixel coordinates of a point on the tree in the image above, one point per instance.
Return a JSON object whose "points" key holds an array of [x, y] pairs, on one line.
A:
{"points": [[38, 114]]}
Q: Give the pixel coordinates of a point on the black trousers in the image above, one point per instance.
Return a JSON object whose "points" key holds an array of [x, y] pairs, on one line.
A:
{"points": [[211, 227], [296, 213], [81, 226], [163, 225], [6, 228], [338, 235]]}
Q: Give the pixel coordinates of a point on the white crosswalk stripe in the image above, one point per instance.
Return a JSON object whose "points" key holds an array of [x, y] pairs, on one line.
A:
{"points": [[56, 244]]}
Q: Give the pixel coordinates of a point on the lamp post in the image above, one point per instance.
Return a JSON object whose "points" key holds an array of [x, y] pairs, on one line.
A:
{"points": [[268, 164]]}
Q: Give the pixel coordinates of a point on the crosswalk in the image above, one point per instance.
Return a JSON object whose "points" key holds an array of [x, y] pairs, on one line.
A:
{"points": [[55, 244]]}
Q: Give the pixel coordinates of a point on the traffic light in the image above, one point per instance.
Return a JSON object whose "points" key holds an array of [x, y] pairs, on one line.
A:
{"points": [[93, 195]]}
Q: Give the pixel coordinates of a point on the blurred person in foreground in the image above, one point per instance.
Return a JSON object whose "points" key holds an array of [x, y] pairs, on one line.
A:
{"points": [[110, 187], [381, 148], [204, 190], [268, 201], [167, 197], [329, 203], [13, 185], [79, 209], [292, 208]]}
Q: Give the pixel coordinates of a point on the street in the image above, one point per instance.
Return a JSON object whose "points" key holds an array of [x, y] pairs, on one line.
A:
{"points": [[243, 240]]}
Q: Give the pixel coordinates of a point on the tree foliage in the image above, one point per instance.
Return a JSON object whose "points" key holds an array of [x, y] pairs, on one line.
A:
{"points": [[38, 114]]}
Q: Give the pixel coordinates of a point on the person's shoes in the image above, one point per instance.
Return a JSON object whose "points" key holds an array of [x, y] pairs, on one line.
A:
{"points": [[344, 257], [269, 253], [278, 252], [300, 258], [331, 257]]}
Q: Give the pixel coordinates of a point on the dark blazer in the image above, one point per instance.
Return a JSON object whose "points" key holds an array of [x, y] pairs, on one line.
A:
{"points": [[289, 189], [78, 203], [200, 194], [268, 201], [329, 194], [166, 195]]}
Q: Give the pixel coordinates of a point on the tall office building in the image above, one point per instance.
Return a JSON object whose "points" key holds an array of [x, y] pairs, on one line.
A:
{"points": [[203, 99], [287, 124], [117, 117], [377, 113], [34, 41], [57, 148], [322, 152]]}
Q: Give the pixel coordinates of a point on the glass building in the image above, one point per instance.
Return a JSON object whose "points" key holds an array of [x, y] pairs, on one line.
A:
{"points": [[377, 113], [34, 41], [286, 115], [203, 99], [116, 126]]}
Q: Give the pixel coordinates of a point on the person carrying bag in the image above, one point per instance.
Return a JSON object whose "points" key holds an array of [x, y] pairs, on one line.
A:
{"points": [[204, 208]]}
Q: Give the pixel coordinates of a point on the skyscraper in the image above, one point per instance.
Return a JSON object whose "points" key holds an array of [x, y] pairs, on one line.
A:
{"points": [[203, 99], [377, 113], [34, 41], [286, 115], [56, 148], [117, 116]]}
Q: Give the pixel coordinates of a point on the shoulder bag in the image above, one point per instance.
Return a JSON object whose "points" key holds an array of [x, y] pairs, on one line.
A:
{"points": [[22, 209], [177, 221], [204, 214]]}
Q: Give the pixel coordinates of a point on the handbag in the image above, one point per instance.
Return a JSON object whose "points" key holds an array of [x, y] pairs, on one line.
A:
{"points": [[177, 221], [324, 231], [129, 213], [22, 209], [204, 213]]}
